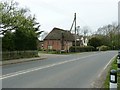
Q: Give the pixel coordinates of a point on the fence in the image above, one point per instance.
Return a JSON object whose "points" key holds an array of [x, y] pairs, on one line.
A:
{"points": [[8, 55]]}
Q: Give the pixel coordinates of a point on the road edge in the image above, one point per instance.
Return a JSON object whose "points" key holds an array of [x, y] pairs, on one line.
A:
{"points": [[19, 61], [99, 81]]}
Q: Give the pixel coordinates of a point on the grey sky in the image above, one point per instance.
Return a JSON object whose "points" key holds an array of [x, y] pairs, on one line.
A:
{"points": [[59, 13]]}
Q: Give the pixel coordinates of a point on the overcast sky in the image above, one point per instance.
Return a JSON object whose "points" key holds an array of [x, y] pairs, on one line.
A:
{"points": [[60, 13]]}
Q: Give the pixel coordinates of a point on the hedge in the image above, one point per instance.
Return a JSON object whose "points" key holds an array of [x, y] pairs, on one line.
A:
{"points": [[7, 55], [82, 49]]}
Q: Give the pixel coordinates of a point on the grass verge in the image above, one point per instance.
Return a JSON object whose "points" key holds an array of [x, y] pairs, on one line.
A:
{"points": [[113, 66]]}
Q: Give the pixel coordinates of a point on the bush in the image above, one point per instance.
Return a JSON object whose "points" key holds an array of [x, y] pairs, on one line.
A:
{"points": [[6, 55], [81, 49], [103, 48]]}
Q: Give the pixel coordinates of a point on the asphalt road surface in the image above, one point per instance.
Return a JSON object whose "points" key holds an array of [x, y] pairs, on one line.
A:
{"points": [[58, 71]]}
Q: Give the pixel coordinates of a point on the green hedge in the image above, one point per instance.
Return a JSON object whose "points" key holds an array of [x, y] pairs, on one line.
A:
{"points": [[7, 55], [82, 49]]}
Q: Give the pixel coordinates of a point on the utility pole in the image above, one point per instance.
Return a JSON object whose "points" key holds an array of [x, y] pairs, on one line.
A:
{"points": [[75, 30], [118, 40], [74, 24], [118, 24]]}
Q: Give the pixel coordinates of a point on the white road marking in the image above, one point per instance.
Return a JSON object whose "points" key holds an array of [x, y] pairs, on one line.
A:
{"points": [[99, 75], [43, 67], [107, 65]]}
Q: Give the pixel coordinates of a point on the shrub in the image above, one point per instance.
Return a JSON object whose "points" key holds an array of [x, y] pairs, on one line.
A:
{"points": [[81, 48], [7, 55], [103, 48]]}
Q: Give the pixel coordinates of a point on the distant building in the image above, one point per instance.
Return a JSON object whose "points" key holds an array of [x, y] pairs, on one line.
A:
{"points": [[84, 41], [119, 12], [58, 39], [80, 40]]}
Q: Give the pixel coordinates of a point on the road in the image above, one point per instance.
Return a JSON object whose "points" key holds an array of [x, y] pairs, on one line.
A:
{"points": [[59, 71]]}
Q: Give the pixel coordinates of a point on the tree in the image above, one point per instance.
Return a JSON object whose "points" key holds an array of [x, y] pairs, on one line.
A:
{"points": [[95, 42], [8, 42], [14, 17], [86, 30], [104, 39], [110, 35], [26, 29], [25, 39]]}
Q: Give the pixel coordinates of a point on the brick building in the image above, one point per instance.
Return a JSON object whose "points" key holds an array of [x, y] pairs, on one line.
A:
{"points": [[58, 39]]}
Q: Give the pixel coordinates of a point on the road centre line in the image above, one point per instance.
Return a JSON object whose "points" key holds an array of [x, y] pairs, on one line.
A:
{"points": [[42, 67]]}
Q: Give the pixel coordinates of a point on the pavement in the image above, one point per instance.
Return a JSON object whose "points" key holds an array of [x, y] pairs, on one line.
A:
{"points": [[60, 71], [7, 62], [15, 61]]}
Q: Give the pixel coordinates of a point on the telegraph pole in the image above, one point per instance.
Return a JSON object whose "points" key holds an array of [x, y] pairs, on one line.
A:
{"points": [[75, 30], [74, 24], [118, 24]]}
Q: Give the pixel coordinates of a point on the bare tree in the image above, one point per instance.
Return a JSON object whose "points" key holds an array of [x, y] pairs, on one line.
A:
{"points": [[86, 30]]}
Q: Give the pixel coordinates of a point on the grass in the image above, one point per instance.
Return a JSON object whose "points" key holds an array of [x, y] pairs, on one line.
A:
{"points": [[113, 66]]}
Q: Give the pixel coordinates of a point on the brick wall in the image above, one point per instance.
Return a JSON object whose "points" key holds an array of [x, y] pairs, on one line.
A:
{"points": [[56, 44]]}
